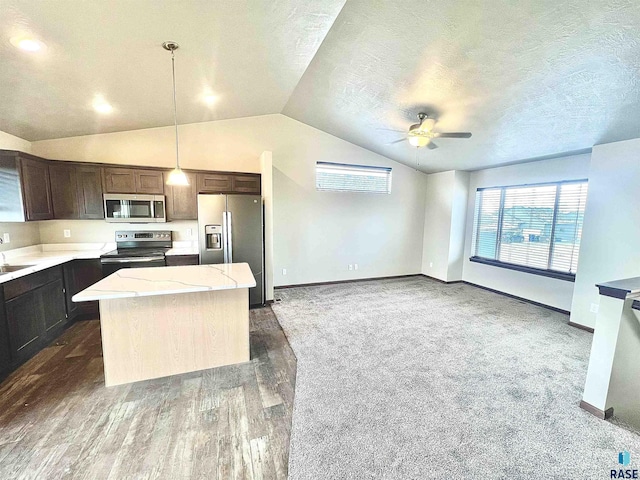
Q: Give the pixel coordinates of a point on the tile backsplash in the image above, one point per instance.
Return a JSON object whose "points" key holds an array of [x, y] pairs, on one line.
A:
{"points": [[52, 231]]}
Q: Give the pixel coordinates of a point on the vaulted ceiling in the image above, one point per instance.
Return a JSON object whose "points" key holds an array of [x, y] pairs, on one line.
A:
{"points": [[529, 79]]}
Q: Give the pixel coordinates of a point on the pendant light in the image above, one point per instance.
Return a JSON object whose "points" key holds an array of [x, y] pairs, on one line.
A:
{"points": [[177, 176]]}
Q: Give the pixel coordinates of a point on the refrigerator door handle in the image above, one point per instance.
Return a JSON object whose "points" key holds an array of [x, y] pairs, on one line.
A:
{"points": [[225, 243], [230, 237]]}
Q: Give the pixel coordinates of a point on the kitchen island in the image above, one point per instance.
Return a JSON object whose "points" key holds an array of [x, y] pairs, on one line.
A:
{"points": [[164, 321]]}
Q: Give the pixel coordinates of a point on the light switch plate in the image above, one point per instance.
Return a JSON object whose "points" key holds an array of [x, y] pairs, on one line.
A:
{"points": [[6, 238], [284, 271], [67, 233], [594, 308]]}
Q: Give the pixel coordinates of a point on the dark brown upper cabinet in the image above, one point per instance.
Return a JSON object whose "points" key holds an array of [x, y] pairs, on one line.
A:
{"points": [[213, 183], [89, 192], [182, 201], [149, 181], [36, 188], [64, 190], [76, 191], [118, 180], [246, 184], [132, 180]]}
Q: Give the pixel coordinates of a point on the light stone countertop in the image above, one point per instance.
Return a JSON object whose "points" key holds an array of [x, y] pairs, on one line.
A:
{"points": [[184, 247], [151, 281], [41, 257], [182, 251]]}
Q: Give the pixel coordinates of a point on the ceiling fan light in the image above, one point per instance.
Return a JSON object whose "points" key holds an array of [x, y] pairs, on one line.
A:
{"points": [[177, 177], [417, 141], [428, 124]]}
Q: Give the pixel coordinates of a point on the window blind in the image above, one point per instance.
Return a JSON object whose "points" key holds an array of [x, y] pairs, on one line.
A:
{"points": [[352, 178], [568, 226], [537, 226]]}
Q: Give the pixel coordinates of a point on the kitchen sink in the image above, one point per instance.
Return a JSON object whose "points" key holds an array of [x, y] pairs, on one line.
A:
{"points": [[12, 268]]}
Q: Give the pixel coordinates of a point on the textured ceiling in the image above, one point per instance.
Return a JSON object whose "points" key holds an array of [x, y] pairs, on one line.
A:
{"points": [[250, 53], [529, 79]]}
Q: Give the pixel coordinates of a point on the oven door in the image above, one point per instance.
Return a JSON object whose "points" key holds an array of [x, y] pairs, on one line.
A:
{"points": [[111, 265], [122, 208]]}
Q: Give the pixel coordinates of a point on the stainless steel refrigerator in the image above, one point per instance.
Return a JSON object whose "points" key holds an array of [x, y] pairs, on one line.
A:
{"points": [[230, 230]]}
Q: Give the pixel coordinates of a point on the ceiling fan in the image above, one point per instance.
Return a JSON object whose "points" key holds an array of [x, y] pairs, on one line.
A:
{"points": [[421, 134]]}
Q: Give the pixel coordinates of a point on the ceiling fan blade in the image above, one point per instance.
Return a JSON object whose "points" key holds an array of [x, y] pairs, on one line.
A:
{"points": [[431, 146], [453, 135], [397, 141], [391, 130]]}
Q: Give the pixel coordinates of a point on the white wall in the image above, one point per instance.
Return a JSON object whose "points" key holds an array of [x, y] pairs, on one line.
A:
{"points": [[437, 224], [545, 290], [610, 245], [458, 225], [316, 234], [444, 225], [266, 168]]}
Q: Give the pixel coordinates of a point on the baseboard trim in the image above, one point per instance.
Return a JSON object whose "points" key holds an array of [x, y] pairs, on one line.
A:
{"points": [[338, 282], [603, 415], [582, 327], [515, 297]]}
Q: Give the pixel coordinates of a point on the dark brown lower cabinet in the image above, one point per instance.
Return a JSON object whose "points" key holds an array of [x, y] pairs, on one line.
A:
{"points": [[78, 275], [55, 311], [5, 349], [175, 260], [33, 313], [25, 319]]}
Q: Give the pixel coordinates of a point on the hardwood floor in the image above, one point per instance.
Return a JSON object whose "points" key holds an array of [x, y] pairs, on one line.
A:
{"points": [[58, 420]]}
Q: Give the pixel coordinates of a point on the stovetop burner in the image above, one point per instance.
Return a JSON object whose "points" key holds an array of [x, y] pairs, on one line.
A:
{"points": [[135, 252]]}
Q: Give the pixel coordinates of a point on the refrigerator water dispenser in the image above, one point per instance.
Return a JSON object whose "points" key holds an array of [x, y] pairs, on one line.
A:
{"points": [[213, 235]]}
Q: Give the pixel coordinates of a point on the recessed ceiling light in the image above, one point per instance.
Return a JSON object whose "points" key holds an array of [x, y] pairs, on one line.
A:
{"points": [[100, 105], [210, 98], [27, 44]]}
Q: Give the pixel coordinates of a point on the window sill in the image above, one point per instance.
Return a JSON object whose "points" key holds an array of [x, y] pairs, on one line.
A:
{"points": [[569, 277]]}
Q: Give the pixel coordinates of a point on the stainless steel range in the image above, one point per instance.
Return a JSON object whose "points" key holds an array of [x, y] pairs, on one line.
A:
{"points": [[139, 248]]}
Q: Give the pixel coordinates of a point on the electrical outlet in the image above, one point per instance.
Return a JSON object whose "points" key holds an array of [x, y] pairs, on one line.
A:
{"points": [[284, 271], [355, 266], [350, 267], [67, 233], [6, 238], [430, 264], [189, 232], [594, 308]]}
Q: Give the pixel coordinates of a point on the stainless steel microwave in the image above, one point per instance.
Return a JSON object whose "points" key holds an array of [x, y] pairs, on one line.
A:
{"points": [[128, 208]]}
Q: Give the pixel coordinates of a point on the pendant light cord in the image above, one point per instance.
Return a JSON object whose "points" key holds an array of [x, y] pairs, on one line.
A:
{"points": [[175, 107]]}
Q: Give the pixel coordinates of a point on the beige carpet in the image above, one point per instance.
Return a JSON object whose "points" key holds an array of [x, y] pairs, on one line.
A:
{"points": [[413, 379]]}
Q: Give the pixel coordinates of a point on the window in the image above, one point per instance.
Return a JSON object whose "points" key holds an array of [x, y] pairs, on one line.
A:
{"points": [[533, 228], [352, 178]]}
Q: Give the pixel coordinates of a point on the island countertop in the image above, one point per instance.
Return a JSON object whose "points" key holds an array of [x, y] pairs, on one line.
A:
{"points": [[151, 281]]}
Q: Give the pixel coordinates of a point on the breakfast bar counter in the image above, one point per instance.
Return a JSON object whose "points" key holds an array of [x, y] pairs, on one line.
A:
{"points": [[164, 321]]}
